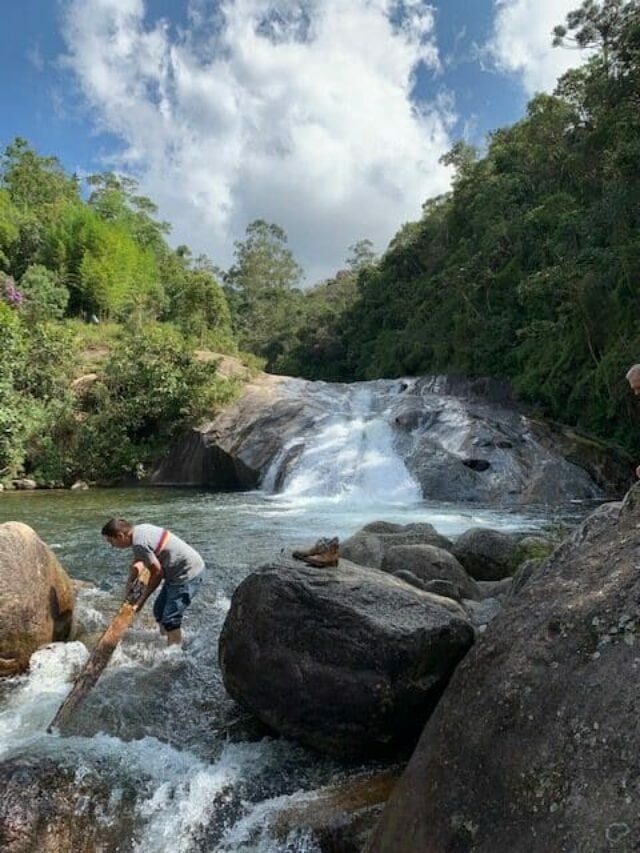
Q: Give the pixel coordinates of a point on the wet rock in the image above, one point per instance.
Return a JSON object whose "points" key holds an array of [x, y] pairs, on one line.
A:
{"points": [[430, 563], [487, 555], [501, 456], [369, 545], [49, 808], [36, 605], [348, 660], [340, 817], [79, 486], [549, 760]]}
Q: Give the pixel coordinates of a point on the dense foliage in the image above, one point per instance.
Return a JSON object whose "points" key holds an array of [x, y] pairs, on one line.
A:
{"points": [[66, 262], [529, 269]]}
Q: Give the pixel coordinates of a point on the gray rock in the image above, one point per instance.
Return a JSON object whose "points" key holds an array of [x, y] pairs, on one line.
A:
{"points": [[409, 577], [482, 612], [487, 555], [381, 527], [549, 760], [25, 484], [445, 588], [348, 660], [495, 589], [366, 549], [430, 563], [79, 486], [369, 545]]}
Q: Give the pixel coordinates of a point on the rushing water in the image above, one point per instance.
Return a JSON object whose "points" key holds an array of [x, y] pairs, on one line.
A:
{"points": [[159, 723]]}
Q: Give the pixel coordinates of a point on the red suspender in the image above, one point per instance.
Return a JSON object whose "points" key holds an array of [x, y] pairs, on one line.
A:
{"points": [[162, 542]]}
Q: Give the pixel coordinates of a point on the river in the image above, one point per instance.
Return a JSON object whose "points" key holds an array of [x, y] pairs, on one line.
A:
{"points": [[159, 723]]}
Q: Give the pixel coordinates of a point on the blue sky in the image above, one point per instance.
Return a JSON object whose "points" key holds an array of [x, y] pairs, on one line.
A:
{"points": [[332, 124]]}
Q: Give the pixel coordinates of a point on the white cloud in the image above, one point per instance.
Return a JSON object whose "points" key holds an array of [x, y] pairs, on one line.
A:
{"points": [[296, 111], [521, 41]]}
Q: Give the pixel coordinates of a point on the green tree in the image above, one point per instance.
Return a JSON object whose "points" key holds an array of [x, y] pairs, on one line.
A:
{"points": [[261, 289], [45, 297]]}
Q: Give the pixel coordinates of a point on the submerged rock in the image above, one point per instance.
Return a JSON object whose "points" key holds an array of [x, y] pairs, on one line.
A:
{"points": [[348, 660], [36, 604], [549, 759]]}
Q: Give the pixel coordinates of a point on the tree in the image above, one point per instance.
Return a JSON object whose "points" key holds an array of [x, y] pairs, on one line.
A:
{"points": [[597, 26], [45, 298], [33, 181], [115, 198], [262, 290]]}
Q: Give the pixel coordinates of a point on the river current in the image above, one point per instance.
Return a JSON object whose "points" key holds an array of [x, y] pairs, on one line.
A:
{"points": [[205, 776], [184, 768]]}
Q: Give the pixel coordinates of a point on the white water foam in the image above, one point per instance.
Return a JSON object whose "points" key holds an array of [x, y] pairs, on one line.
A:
{"points": [[349, 458]]}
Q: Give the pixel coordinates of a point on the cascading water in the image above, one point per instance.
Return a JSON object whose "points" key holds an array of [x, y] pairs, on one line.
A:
{"points": [[349, 456]]}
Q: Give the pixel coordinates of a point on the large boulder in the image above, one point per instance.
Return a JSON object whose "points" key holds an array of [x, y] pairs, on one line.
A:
{"points": [[429, 564], [348, 660], [48, 808], [487, 555], [36, 604], [535, 745], [368, 546]]}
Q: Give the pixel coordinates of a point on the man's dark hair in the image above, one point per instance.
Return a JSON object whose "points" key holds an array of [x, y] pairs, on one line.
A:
{"points": [[115, 526]]}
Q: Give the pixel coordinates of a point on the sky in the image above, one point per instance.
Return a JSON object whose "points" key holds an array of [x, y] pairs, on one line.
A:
{"points": [[327, 117]]}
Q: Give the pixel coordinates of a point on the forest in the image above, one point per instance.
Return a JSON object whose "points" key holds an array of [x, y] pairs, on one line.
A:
{"points": [[528, 269]]}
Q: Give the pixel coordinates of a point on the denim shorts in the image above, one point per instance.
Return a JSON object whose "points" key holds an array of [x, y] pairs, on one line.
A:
{"points": [[172, 600]]}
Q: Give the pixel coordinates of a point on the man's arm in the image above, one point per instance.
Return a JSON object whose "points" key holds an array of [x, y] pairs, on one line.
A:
{"points": [[155, 578]]}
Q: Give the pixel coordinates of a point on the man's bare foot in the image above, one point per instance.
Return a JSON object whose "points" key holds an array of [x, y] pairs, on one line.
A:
{"points": [[174, 638]]}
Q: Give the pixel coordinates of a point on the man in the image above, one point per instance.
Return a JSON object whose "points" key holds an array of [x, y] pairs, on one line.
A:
{"points": [[633, 378], [168, 559]]}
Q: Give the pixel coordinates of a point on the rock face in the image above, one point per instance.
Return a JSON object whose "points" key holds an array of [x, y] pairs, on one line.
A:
{"points": [[487, 555], [430, 564], [460, 440], [36, 604], [549, 759], [47, 808], [348, 660]]}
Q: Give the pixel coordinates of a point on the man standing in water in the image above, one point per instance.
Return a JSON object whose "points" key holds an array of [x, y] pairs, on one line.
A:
{"points": [[633, 378], [168, 559]]}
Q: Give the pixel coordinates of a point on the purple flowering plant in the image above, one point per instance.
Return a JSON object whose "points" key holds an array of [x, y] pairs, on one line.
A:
{"points": [[10, 292]]}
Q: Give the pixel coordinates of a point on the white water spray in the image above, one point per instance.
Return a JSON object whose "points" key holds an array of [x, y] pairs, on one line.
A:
{"points": [[349, 457]]}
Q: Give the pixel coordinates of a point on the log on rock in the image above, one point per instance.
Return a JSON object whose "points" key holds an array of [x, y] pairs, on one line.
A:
{"points": [[99, 658]]}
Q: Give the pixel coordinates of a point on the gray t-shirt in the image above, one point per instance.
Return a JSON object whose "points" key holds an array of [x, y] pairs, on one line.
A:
{"points": [[180, 562]]}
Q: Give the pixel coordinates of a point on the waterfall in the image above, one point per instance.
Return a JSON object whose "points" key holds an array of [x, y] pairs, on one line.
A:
{"points": [[348, 455]]}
